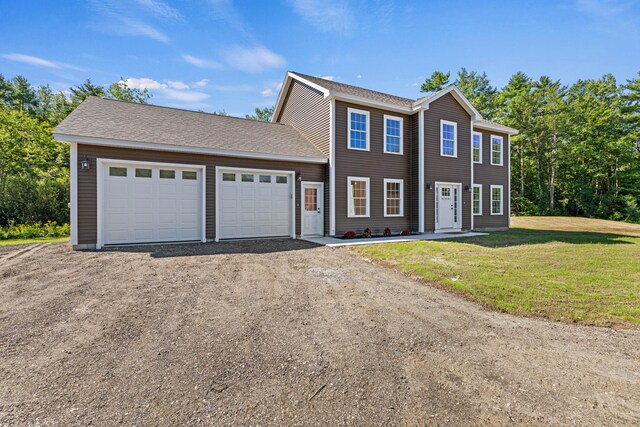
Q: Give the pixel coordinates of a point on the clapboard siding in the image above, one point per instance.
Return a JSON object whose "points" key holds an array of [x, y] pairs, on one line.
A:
{"points": [[376, 165], [447, 169], [87, 190], [487, 174], [306, 110]]}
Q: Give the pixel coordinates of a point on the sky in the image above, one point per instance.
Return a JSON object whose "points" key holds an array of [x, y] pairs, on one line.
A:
{"points": [[214, 55]]}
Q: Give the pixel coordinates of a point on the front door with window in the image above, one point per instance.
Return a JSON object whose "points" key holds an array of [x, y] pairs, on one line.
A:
{"points": [[312, 209], [447, 207]]}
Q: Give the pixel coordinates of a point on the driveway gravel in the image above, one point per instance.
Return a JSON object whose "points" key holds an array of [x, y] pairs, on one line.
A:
{"points": [[282, 332]]}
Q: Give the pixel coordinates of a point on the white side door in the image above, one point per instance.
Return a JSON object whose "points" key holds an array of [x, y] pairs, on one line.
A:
{"points": [[445, 206], [312, 209]]}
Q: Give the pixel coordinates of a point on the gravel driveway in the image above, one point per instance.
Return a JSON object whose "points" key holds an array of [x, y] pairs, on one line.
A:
{"points": [[280, 332]]}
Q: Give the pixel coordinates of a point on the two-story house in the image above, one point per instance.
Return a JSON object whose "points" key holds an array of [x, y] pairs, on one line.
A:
{"points": [[335, 158]]}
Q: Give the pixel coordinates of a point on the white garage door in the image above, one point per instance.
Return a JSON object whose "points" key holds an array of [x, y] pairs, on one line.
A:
{"points": [[254, 204], [145, 203]]}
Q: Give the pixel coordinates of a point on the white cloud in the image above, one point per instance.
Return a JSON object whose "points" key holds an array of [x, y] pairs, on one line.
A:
{"points": [[253, 60], [177, 84], [326, 15], [233, 88], [136, 28], [201, 63], [201, 83], [173, 89], [180, 95], [160, 8], [267, 92], [601, 8], [144, 83], [359, 76], [331, 78], [39, 62], [121, 20]]}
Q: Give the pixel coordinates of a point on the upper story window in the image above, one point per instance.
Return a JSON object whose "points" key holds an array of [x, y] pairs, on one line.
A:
{"points": [[477, 147], [448, 138], [358, 129], [393, 134], [496, 150]]}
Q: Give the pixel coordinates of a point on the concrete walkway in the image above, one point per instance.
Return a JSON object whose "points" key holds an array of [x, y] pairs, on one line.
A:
{"points": [[335, 242]]}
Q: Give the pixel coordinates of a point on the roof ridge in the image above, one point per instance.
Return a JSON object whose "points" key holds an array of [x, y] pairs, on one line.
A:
{"points": [[182, 109], [353, 86]]}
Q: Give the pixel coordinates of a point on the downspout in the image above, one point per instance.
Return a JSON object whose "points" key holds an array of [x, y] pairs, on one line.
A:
{"points": [[421, 171]]}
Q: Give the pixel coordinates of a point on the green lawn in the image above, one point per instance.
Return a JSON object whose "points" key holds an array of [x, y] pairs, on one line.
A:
{"points": [[36, 240], [568, 269]]}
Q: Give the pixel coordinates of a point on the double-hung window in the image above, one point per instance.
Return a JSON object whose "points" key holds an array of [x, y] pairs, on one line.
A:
{"points": [[496, 150], [448, 138], [392, 134], [393, 197], [358, 124], [357, 197], [477, 147], [496, 200], [477, 199]]}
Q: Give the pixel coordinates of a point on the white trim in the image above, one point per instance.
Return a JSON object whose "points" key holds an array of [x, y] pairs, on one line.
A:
{"points": [[455, 92], [437, 229], [292, 189], [302, 202], [421, 171], [182, 149], [73, 192], [509, 181], [496, 127], [332, 167], [472, 174], [384, 135], [501, 150], [100, 171], [479, 162], [501, 200], [285, 88], [366, 102], [455, 138], [367, 132], [384, 196], [480, 196], [349, 204]]}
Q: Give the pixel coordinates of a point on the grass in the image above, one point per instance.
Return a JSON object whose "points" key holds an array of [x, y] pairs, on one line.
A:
{"points": [[34, 240], [568, 269]]}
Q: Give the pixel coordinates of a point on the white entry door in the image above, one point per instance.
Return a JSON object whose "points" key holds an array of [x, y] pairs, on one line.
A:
{"points": [[448, 207], [254, 203], [312, 209], [149, 202]]}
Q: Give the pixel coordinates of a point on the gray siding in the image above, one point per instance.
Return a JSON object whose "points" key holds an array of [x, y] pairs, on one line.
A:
{"points": [[87, 190], [447, 169], [376, 165], [487, 175]]}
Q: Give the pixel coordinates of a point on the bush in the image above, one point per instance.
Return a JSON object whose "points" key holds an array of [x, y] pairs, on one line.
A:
{"points": [[405, 233], [386, 232], [22, 231], [349, 235], [366, 232]]}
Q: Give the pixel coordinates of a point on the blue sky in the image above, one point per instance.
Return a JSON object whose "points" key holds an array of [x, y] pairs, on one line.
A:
{"points": [[233, 55]]}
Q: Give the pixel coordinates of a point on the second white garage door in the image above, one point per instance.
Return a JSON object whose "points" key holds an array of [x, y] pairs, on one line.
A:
{"points": [[254, 203]]}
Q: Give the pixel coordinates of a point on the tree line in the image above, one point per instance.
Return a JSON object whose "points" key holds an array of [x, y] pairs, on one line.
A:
{"points": [[577, 153], [578, 150]]}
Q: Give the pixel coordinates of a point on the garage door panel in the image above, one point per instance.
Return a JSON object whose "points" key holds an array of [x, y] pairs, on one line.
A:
{"points": [[261, 208], [151, 209]]}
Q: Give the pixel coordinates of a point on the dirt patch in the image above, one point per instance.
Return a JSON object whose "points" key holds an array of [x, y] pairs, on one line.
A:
{"points": [[281, 332]]}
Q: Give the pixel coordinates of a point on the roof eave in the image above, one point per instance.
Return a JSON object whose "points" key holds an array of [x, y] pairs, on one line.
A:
{"points": [[63, 137], [495, 127]]}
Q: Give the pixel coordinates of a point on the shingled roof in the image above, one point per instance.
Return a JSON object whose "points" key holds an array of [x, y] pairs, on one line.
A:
{"points": [[125, 121], [358, 91]]}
